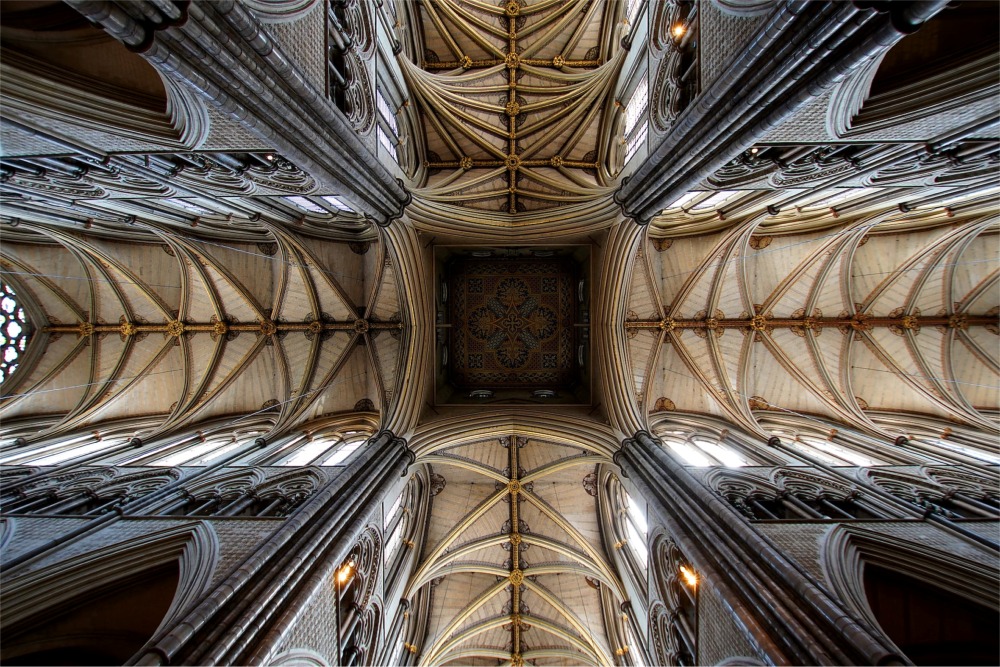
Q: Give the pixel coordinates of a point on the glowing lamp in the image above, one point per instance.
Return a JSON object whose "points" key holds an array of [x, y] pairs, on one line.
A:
{"points": [[689, 576]]}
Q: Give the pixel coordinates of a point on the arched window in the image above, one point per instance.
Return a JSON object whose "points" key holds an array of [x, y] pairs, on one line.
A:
{"points": [[832, 453], [328, 449], [386, 129], [701, 451], [14, 331], [633, 529], [202, 453], [636, 126], [55, 458], [967, 450], [395, 529]]}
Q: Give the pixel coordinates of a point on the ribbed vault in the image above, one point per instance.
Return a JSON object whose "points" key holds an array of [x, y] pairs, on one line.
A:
{"points": [[831, 323], [513, 557], [516, 101], [190, 329]]}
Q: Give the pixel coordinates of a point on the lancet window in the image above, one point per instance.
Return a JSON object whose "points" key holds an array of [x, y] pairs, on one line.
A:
{"points": [[629, 528], [387, 129], [327, 449], [636, 126]]}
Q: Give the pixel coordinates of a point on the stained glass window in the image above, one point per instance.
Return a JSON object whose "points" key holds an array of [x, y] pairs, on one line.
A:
{"points": [[14, 331]]}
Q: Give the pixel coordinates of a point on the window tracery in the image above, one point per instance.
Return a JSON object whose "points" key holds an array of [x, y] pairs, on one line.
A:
{"points": [[359, 613], [702, 446], [14, 330], [674, 40], [791, 494], [673, 616], [328, 449]]}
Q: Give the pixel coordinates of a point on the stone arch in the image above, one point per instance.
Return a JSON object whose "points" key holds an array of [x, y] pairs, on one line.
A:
{"points": [[299, 657], [51, 610], [281, 11], [61, 69], [848, 549], [899, 86], [745, 8]]}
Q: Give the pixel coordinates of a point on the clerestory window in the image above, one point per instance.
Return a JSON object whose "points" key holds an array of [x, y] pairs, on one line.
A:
{"points": [[635, 119], [387, 116]]}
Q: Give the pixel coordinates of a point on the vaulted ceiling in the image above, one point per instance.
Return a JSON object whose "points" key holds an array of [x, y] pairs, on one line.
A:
{"points": [[188, 329], [514, 560], [789, 281], [829, 323], [515, 100]]}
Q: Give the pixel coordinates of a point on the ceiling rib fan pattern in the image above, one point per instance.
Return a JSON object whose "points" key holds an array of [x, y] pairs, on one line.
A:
{"points": [[515, 575], [814, 323], [516, 101]]}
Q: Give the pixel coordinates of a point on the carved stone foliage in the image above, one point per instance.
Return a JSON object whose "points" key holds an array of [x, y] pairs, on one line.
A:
{"points": [[438, 482]]}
